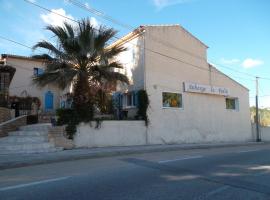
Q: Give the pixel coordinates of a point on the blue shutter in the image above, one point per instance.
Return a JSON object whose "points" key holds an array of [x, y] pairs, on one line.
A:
{"points": [[40, 71], [48, 100], [135, 98], [121, 96]]}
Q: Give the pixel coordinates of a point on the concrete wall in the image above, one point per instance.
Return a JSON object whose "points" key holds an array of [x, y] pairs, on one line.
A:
{"points": [[111, 133], [133, 62], [264, 133], [22, 80], [204, 117]]}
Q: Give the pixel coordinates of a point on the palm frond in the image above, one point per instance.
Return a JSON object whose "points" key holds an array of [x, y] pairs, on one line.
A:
{"points": [[48, 46]]}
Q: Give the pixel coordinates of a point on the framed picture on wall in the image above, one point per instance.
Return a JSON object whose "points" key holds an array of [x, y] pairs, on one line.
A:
{"points": [[171, 100]]}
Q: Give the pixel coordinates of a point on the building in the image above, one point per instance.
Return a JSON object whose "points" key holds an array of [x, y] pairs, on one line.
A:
{"points": [[20, 83], [190, 100]]}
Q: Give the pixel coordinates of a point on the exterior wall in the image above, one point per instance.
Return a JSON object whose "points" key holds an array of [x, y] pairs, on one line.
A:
{"points": [[133, 67], [12, 125], [111, 133], [264, 132], [22, 81], [133, 63], [5, 114], [204, 117]]}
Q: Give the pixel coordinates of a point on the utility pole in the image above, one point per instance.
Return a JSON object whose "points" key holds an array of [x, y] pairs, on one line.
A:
{"points": [[258, 139]]}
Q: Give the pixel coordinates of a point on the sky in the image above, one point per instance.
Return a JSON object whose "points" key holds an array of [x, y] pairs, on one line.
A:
{"points": [[236, 31]]}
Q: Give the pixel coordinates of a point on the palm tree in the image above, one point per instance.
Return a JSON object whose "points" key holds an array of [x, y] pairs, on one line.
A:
{"points": [[81, 58]]}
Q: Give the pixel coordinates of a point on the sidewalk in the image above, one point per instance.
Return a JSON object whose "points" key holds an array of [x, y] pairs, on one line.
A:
{"points": [[20, 160]]}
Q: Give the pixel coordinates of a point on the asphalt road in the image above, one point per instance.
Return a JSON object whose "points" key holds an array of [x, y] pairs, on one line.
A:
{"points": [[215, 174]]}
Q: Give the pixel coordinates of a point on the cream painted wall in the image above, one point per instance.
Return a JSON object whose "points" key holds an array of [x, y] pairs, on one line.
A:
{"points": [[133, 62], [22, 81], [111, 133], [203, 117]]}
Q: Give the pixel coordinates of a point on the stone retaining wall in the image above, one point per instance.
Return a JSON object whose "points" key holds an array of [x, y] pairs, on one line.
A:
{"points": [[57, 136], [5, 114], [12, 125]]}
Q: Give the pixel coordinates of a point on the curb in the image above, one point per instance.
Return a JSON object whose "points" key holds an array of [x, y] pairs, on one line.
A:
{"points": [[112, 153]]}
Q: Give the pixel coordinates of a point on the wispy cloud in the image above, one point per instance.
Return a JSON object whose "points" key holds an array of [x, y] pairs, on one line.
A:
{"points": [[229, 61], [54, 19], [246, 63], [57, 20], [87, 5], [160, 4], [249, 63]]}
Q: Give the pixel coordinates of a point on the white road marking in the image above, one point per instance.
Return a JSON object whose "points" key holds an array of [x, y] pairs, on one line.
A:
{"points": [[33, 183], [246, 151], [178, 159], [213, 192], [220, 189]]}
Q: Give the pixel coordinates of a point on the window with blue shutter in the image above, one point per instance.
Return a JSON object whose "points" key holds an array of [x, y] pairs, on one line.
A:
{"points": [[135, 98], [121, 100], [38, 71]]}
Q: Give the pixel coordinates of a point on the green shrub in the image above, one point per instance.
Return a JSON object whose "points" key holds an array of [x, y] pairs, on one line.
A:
{"points": [[73, 116], [143, 103], [68, 117]]}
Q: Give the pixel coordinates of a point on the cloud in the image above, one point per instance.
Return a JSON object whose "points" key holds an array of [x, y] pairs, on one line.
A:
{"points": [[57, 20], [54, 19], [94, 22], [32, 1], [230, 61], [160, 4], [87, 5], [249, 63]]}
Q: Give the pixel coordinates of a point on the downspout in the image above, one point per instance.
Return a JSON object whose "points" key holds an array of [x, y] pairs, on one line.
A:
{"points": [[144, 82]]}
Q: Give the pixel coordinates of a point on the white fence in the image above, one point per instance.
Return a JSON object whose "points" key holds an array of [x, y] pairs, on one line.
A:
{"points": [[264, 132]]}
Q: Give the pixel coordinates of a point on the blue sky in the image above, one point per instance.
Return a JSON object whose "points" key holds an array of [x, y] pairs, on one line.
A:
{"points": [[236, 31]]}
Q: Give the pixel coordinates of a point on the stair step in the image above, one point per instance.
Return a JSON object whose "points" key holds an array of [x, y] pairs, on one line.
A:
{"points": [[28, 139], [26, 146], [32, 151], [24, 139], [36, 127], [28, 133]]}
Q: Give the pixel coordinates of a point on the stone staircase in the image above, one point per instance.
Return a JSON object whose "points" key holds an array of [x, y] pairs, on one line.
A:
{"points": [[28, 139]]}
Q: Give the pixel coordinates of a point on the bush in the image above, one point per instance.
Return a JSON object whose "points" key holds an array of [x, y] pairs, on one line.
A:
{"points": [[143, 103], [68, 117], [72, 117]]}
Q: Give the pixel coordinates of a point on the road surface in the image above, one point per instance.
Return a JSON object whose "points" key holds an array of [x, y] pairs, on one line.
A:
{"points": [[215, 174]]}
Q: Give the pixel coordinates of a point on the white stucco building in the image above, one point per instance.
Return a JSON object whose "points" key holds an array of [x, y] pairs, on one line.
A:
{"points": [[190, 100], [21, 84]]}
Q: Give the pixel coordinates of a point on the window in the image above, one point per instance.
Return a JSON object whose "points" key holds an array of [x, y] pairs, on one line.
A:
{"points": [[129, 99], [172, 100], [4, 81], [38, 71], [231, 103]]}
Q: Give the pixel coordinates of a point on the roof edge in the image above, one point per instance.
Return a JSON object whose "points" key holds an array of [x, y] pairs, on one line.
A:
{"points": [[241, 85], [6, 56]]}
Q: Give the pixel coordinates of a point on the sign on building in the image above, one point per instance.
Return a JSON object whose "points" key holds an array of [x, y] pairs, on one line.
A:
{"points": [[205, 89]]}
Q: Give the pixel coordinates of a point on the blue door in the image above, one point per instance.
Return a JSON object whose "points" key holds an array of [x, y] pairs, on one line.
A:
{"points": [[48, 100]]}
